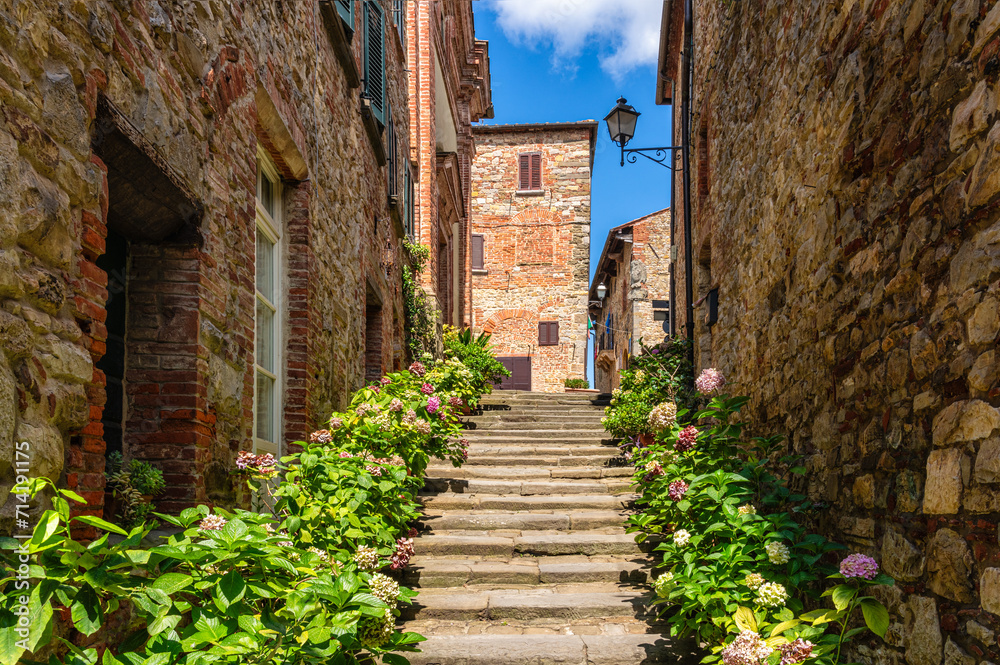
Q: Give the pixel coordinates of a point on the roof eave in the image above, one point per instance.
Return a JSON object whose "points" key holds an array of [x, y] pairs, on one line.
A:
{"points": [[671, 34]]}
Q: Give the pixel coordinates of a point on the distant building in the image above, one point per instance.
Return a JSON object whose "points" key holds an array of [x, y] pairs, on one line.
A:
{"points": [[449, 82], [635, 269], [531, 248]]}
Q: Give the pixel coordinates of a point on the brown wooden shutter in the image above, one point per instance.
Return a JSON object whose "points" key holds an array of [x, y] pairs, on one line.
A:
{"points": [[536, 171], [548, 333], [524, 172], [554, 333], [478, 260]]}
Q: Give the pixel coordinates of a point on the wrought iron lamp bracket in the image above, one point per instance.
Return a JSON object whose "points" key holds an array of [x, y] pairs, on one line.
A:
{"points": [[658, 155]]}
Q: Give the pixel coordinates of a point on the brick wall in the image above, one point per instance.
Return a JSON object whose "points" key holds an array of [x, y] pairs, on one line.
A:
{"points": [[536, 246], [849, 217], [195, 87]]}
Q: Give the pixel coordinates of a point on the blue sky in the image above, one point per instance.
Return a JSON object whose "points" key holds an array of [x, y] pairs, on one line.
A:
{"points": [[538, 77]]}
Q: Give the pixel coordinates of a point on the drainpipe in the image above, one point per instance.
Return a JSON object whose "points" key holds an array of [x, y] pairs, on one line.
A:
{"points": [[687, 57], [456, 256]]}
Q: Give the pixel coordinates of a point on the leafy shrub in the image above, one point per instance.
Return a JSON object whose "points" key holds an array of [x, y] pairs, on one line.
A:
{"points": [[419, 316], [656, 374], [297, 585], [476, 354], [577, 383], [736, 561], [131, 484]]}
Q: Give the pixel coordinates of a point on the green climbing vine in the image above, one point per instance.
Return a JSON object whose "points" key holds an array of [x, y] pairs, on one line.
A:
{"points": [[420, 316]]}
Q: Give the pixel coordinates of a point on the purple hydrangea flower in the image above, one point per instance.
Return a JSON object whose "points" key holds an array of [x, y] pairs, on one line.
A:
{"points": [[859, 565], [433, 404]]}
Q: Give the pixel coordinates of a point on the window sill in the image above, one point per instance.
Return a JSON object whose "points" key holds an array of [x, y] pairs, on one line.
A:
{"points": [[480, 271], [374, 131], [530, 192]]}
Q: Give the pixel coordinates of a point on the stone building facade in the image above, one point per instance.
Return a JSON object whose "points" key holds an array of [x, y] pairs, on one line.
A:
{"points": [[531, 247], [635, 269], [199, 251], [449, 89], [845, 205]]}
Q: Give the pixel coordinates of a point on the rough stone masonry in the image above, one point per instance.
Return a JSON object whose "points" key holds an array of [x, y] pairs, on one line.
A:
{"points": [[845, 203], [113, 110]]}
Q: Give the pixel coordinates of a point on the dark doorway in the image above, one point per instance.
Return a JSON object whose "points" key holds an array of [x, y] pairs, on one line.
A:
{"points": [[520, 373], [373, 343], [115, 262]]}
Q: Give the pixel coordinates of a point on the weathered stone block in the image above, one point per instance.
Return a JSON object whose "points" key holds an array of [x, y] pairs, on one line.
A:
{"points": [[984, 324], [946, 472], [925, 643], [989, 590], [909, 490], [949, 563], [900, 558], [923, 354], [988, 461], [963, 421], [985, 371], [971, 115], [954, 655], [977, 631]]}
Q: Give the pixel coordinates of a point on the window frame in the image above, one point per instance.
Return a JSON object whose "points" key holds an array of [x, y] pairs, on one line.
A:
{"points": [[472, 251], [546, 339], [534, 169], [270, 226]]}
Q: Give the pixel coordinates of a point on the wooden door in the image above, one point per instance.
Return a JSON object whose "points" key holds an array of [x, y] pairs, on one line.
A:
{"points": [[520, 373]]}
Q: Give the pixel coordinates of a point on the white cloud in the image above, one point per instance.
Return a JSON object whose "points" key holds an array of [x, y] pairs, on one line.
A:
{"points": [[626, 32]]}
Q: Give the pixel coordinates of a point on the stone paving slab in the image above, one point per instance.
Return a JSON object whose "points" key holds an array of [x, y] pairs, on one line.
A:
{"points": [[448, 501]]}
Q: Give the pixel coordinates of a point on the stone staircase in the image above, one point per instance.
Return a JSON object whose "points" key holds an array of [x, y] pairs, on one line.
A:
{"points": [[522, 557]]}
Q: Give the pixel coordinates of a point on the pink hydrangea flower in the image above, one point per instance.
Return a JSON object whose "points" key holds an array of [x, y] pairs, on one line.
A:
{"points": [[427, 389], [710, 381], [455, 401], [321, 436], [336, 423], [859, 565], [747, 649], [433, 404], [418, 368], [686, 439], [677, 490], [654, 468], [344, 454], [796, 652], [376, 389], [385, 380], [212, 523]]}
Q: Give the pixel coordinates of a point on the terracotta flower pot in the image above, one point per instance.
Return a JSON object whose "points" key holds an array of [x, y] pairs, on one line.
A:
{"points": [[646, 439]]}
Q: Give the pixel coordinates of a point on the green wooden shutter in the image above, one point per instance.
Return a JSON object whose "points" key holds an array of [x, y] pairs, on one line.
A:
{"points": [[375, 58], [346, 10]]}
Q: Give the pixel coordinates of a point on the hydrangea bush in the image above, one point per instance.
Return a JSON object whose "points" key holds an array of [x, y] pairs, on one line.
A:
{"points": [[654, 377], [739, 567], [306, 579]]}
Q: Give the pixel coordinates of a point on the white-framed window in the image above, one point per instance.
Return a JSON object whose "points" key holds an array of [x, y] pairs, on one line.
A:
{"points": [[267, 320]]}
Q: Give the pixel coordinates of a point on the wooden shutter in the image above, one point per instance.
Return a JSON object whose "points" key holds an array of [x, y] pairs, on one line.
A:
{"points": [[524, 172], [390, 139], [536, 171], [478, 258], [375, 58], [345, 8], [548, 333]]}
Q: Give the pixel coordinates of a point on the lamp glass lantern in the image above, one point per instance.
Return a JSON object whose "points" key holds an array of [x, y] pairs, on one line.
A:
{"points": [[621, 122], [601, 291]]}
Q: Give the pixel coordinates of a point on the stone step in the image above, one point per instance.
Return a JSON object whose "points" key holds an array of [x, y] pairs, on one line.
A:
{"points": [[521, 416], [512, 403], [543, 447], [576, 520], [464, 502], [550, 426], [527, 487], [511, 459], [529, 472], [537, 433], [569, 602], [557, 649], [507, 543], [437, 572]]}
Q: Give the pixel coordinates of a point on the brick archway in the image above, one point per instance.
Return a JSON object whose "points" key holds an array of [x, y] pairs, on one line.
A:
{"points": [[504, 314]]}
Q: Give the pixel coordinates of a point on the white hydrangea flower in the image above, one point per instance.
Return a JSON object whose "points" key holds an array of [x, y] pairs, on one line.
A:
{"points": [[771, 594], [681, 537], [777, 552], [663, 584]]}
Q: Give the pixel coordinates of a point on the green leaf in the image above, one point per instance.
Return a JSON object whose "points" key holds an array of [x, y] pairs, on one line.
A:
{"points": [[108, 659], [231, 589], [172, 582], [91, 520], [783, 626], [745, 619], [876, 616], [47, 526], [842, 595], [86, 611]]}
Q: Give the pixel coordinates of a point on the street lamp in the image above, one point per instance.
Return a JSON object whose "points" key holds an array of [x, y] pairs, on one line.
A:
{"points": [[601, 291], [621, 126]]}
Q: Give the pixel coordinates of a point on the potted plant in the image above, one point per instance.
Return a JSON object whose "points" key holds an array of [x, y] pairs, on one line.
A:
{"points": [[130, 490]]}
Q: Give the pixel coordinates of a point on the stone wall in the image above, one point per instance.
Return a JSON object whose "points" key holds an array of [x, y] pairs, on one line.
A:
{"points": [[845, 204], [193, 86], [536, 246], [635, 269]]}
